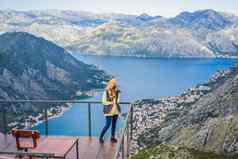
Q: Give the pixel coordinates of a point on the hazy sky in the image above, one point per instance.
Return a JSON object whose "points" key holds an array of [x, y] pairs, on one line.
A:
{"points": [[153, 7]]}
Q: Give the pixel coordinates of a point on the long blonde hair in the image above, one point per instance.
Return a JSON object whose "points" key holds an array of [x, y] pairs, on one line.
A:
{"points": [[112, 87]]}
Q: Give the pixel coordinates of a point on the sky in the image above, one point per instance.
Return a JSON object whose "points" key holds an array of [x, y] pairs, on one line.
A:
{"points": [[165, 8]]}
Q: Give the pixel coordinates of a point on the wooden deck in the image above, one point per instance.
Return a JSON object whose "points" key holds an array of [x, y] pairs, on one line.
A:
{"points": [[89, 148]]}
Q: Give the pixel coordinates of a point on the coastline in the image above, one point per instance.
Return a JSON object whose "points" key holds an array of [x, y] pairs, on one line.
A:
{"points": [[62, 110], [149, 113], [75, 54], [32, 121], [53, 112]]}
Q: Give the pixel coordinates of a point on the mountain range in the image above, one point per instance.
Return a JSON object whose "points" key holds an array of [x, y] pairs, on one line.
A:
{"points": [[203, 33]]}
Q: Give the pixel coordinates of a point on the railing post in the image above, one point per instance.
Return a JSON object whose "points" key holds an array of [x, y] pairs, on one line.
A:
{"points": [[122, 148], [131, 121], [127, 140], [46, 122], [89, 120], [4, 119], [4, 122]]}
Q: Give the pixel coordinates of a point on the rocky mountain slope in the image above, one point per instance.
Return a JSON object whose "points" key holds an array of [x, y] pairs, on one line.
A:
{"points": [[224, 42], [203, 33], [201, 120], [34, 68], [203, 22]]}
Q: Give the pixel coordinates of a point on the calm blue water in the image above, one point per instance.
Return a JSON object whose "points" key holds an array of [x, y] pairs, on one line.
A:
{"points": [[138, 79]]}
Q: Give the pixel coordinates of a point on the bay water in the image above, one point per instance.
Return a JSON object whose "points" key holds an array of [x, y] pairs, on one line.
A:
{"points": [[138, 78]]}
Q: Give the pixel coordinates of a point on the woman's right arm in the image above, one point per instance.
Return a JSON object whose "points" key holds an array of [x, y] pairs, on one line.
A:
{"points": [[104, 100]]}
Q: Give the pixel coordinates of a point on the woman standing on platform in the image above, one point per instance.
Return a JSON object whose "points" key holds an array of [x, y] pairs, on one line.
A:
{"points": [[111, 109]]}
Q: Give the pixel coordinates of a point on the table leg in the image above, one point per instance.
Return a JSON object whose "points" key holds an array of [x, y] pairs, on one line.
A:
{"points": [[77, 149]]}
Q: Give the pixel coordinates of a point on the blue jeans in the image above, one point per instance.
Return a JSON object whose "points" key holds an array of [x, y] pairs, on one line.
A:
{"points": [[110, 120]]}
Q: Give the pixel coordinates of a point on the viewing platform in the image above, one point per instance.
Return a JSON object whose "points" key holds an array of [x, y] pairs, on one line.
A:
{"points": [[63, 146]]}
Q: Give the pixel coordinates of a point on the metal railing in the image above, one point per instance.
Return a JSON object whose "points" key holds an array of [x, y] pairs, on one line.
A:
{"points": [[125, 132]]}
